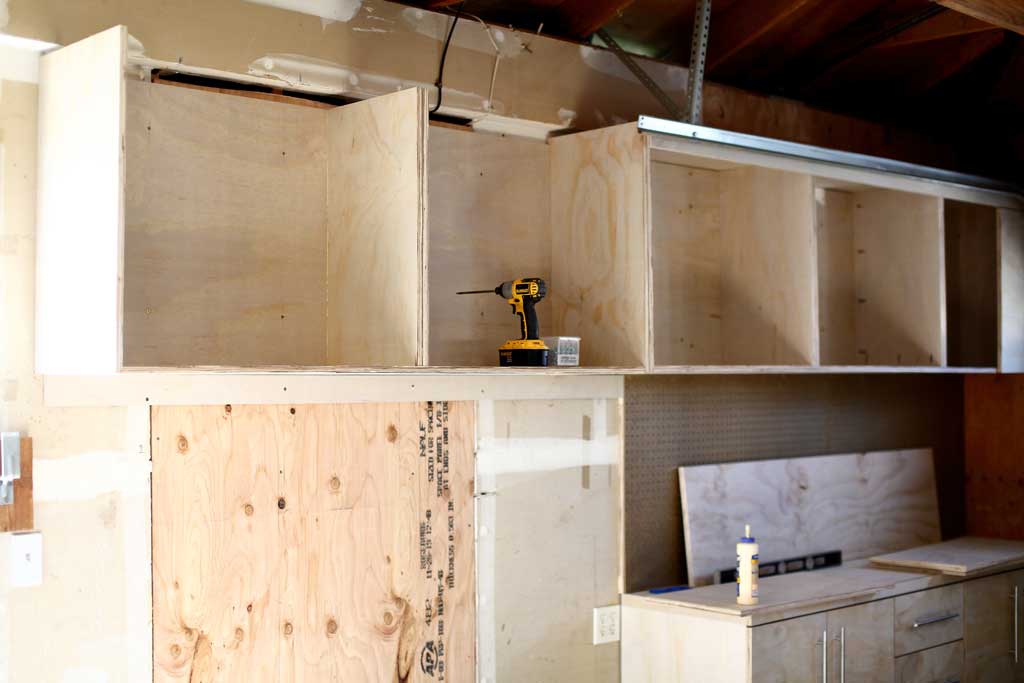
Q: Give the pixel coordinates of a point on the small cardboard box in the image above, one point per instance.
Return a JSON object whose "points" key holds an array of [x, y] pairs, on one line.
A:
{"points": [[563, 351]]}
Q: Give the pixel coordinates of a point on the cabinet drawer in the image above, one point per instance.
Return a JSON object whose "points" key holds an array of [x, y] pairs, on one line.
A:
{"points": [[943, 664], [929, 618]]}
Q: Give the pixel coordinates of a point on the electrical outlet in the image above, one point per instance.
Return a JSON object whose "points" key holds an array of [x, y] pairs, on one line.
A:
{"points": [[26, 559], [606, 624]]}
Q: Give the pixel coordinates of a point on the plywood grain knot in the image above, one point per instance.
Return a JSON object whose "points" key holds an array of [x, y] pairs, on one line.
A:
{"points": [[182, 444]]}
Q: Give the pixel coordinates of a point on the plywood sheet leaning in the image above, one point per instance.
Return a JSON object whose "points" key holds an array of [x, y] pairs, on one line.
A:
{"points": [[489, 217], [967, 556], [863, 504], [769, 286], [600, 226], [376, 231], [1011, 291], [225, 230], [899, 273], [313, 543]]}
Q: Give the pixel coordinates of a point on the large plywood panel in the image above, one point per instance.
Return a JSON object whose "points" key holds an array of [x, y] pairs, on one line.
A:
{"points": [[489, 216], [769, 288], [837, 295], [376, 225], [600, 208], [686, 249], [901, 315], [225, 230], [862, 504], [1011, 291], [80, 220], [313, 543]]}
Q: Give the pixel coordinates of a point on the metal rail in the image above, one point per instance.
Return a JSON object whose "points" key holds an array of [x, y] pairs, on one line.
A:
{"points": [[651, 124]]}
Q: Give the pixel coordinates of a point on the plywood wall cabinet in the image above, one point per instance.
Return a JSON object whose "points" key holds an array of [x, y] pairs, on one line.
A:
{"points": [[191, 228]]}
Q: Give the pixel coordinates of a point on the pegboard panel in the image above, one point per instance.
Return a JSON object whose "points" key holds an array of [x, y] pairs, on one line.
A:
{"points": [[690, 420]]}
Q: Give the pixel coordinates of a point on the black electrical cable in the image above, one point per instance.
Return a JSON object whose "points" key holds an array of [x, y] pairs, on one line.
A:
{"points": [[444, 54]]}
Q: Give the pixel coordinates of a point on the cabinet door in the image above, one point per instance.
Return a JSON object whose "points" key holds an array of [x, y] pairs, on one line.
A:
{"points": [[861, 643], [992, 629], [789, 651]]}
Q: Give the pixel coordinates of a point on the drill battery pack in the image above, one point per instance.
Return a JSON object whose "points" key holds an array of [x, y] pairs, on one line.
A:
{"points": [[523, 353]]}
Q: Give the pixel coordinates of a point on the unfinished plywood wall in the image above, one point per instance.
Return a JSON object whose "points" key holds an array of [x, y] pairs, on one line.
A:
{"points": [[548, 551], [690, 420], [313, 543], [994, 451]]}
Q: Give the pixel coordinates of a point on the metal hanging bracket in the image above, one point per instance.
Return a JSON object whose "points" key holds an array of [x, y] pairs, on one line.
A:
{"points": [[627, 59], [698, 53], [10, 465]]}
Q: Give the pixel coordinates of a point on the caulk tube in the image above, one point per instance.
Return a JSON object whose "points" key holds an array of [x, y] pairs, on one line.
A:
{"points": [[746, 569]]}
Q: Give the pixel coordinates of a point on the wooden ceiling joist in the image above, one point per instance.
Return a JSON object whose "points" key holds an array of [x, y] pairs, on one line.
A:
{"points": [[969, 48], [1008, 14], [742, 24], [942, 25]]}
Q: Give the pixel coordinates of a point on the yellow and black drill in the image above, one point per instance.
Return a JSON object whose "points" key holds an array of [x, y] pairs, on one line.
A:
{"points": [[523, 295]]}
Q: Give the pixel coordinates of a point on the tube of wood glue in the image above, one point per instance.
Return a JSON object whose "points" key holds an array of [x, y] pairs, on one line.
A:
{"points": [[746, 569]]}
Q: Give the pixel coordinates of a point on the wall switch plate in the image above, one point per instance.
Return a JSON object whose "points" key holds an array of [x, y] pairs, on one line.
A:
{"points": [[26, 560], [606, 624]]}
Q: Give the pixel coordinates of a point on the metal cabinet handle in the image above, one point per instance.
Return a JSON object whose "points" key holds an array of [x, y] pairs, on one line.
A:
{"points": [[824, 656], [1016, 624], [842, 655], [935, 620]]}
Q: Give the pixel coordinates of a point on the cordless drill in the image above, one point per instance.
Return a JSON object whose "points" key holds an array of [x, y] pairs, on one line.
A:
{"points": [[523, 295]]}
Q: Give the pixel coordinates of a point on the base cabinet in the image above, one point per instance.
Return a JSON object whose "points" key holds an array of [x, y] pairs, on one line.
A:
{"points": [[965, 631], [992, 637]]}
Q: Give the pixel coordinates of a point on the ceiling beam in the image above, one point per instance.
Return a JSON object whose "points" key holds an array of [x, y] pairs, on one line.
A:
{"points": [[943, 25], [1008, 14], [954, 60], [743, 23], [888, 19], [581, 18]]}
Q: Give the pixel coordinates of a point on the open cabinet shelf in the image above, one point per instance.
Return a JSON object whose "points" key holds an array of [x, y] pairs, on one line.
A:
{"points": [[880, 286], [186, 227]]}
